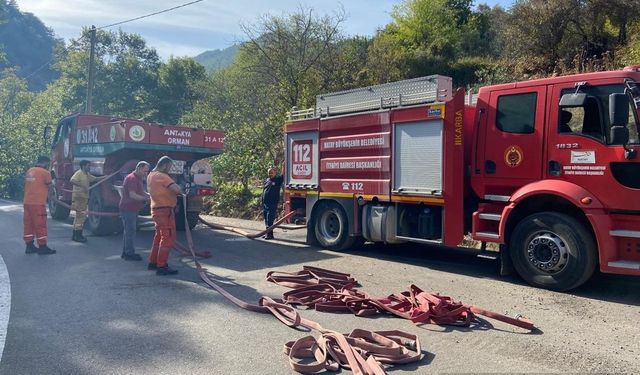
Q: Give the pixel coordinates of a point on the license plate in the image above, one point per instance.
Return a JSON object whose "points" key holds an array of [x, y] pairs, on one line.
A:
{"points": [[177, 167]]}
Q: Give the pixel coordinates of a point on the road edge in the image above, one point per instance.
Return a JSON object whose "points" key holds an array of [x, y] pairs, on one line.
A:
{"points": [[5, 303]]}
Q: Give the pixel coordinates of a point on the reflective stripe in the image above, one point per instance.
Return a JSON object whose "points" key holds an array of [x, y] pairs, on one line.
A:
{"points": [[28, 235], [39, 238]]}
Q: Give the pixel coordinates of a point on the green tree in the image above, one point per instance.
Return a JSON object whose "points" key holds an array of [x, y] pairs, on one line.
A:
{"points": [[15, 100], [285, 63], [432, 37], [126, 74], [179, 88], [290, 53]]}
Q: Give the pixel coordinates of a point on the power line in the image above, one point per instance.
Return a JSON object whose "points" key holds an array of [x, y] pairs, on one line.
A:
{"points": [[150, 14], [41, 67]]}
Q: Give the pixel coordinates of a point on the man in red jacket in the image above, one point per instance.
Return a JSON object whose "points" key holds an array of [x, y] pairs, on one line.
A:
{"points": [[132, 201]]}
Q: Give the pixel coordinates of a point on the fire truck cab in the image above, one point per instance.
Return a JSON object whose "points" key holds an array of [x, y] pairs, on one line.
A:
{"points": [[548, 169]]}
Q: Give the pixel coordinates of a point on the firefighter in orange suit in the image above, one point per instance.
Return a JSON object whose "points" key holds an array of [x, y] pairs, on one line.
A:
{"points": [[164, 192], [36, 189]]}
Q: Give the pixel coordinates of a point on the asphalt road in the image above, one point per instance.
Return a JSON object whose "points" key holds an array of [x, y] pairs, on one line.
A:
{"points": [[86, 311]]}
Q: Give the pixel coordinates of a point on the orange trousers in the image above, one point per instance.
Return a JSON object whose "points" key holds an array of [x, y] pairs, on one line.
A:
{"points": [[165, 237], [35, 223]]}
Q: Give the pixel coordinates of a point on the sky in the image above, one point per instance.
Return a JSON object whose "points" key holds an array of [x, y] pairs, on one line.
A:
{"points": [[210, 24]]}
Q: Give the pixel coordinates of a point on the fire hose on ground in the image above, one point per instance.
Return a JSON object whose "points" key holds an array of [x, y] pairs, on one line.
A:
{"points": [[361, 351], [245, 233], [332, 291]]}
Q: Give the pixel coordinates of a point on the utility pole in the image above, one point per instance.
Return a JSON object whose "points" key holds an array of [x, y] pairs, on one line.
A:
{"points": [[89, 108]]}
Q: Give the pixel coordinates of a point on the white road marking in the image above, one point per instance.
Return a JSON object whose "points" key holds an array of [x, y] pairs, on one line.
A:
{"points": [[5, 303]]}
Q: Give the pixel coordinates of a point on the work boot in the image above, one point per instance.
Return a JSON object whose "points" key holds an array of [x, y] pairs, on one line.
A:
{"points": [[152, 266], [268, 236], [45, 250], [78, 237], [163, 271], [132, 256], [31, 248]]}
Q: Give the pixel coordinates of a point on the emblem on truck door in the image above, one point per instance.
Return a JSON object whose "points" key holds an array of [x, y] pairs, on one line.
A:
{"points": [[513, 156], [136, 133]]}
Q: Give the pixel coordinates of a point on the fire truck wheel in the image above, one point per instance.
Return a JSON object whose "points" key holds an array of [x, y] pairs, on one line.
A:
{"points": [[102, 225], [553, 251], [332, 227], [56, 211]]}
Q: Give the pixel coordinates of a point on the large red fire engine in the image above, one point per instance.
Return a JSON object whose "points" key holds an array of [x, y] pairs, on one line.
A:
{"points": [[546, 168]]}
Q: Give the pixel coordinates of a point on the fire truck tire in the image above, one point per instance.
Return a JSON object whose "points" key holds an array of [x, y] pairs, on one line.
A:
{"points": [[192, 218], [102, 225], [56, 211], [553, 251], [332, 227]]}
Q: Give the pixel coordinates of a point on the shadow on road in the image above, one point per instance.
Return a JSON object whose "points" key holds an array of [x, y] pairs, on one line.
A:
{"points": [[612, 288]]}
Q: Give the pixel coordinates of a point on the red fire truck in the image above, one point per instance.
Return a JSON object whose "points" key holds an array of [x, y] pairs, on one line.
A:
{"points": [[548, 169], [116, 144]]}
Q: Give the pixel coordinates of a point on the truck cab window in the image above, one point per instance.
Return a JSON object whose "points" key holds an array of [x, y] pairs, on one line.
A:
{"points": [[586, 120], [61, 132], [57, 136], [592, 119], [517, 113]]}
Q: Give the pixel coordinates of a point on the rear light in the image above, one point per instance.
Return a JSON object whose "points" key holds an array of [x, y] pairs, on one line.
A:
{"points": [[631, 68], [207, 191]]}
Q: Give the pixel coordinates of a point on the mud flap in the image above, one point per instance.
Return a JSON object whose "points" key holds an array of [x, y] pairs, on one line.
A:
{"points": [[506, 265]]}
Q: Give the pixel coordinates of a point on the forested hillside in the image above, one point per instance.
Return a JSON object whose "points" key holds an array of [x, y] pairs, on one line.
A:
{"points": [[26, 45], [287, 60], [219, 58]]}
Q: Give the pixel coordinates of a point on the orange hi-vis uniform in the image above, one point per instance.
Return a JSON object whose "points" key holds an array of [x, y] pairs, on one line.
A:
{"points": [[163, 203], [36, 190]]}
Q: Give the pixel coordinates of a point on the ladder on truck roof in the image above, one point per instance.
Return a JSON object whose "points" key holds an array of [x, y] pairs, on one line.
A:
{"points": [[430, 89]]}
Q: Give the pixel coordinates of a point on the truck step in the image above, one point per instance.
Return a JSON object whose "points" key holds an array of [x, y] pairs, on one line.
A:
{"points": [[628, 264], [491, 255], [490, 217], [497, 198], [625, 233], [488, 235]]}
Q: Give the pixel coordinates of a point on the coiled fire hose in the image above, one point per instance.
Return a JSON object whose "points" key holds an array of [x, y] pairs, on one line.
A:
{"points": [[332, 291], [363, 352]]}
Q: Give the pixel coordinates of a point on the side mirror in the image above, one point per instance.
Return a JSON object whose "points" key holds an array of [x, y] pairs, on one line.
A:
{"points": [[619, 135], [46, 133], [619, 111], [573, 100]]}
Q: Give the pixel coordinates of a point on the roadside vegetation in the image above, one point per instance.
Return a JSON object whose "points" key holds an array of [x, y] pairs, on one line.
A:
{"points": [[285, 62]]}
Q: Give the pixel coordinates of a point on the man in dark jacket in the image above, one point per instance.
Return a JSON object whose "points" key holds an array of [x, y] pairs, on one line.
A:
{"points": [[270, 197]]}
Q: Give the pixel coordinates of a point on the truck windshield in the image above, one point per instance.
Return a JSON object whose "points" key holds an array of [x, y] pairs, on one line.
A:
{"points": [[633, 88], [593, 118]]}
